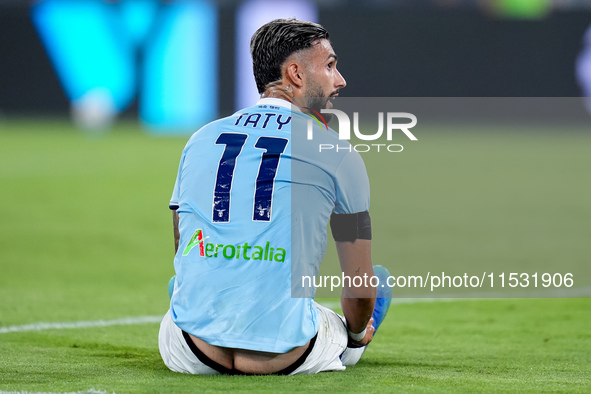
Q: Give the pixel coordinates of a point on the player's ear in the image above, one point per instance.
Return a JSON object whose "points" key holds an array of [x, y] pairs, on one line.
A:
{"points": [[294, 75]]}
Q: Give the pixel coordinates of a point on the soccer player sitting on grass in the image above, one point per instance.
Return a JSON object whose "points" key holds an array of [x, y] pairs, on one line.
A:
{"points": [[250, 210]]}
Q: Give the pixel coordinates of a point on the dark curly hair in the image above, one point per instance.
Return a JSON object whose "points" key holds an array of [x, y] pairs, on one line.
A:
{"points": [[275, 41]]}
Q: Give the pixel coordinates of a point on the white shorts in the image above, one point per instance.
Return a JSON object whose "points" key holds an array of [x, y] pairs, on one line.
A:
{"points": [[331, 342]]}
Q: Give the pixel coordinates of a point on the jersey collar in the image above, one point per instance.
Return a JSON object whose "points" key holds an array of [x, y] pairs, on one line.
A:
{"points": [[278, 102]]}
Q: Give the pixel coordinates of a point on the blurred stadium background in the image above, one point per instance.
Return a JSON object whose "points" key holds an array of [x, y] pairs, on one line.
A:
{"points": [[85, 232], [114, 54]]}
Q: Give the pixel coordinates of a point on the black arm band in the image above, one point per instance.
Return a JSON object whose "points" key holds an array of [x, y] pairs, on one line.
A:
{"points": [[351, 226]]}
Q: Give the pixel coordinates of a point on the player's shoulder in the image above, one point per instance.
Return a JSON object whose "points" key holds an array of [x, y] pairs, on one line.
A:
{"points": [[216, 124]]}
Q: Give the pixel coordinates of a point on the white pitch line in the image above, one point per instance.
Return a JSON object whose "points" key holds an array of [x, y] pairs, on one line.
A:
{"points": [[91, 391], [579, 292], [127, 321]]}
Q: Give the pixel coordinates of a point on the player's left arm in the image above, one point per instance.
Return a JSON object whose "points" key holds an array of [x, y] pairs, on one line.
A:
{"points": [[357, 302], [351, 228]]}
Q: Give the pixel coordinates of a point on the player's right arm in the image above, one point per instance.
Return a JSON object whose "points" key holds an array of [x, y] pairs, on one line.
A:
{"points": [[175, 226], [174, 205]]}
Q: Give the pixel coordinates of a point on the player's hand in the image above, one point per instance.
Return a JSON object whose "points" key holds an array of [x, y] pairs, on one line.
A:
{"points": [[366, 339]]}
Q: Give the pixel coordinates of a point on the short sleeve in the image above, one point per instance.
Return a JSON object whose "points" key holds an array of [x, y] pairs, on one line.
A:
{"points": [[352, 184]]}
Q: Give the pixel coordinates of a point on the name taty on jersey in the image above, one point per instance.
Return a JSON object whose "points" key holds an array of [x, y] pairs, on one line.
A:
{"points": [[254, 119], [266, 253]]}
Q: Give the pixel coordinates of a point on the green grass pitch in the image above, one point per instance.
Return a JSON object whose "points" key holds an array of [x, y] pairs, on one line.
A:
{"points": [[86, 235]]}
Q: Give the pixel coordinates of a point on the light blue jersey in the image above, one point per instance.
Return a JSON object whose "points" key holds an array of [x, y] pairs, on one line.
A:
{"points": [[252, 203]]}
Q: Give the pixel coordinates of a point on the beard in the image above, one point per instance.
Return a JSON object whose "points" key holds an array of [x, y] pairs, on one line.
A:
{"points": [[317, 100]]}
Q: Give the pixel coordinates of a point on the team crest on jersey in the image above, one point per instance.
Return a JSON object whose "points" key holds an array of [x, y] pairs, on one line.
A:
{"points": [[244, 251]]}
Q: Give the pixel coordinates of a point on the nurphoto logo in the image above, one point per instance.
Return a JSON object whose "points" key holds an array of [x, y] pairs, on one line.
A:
{"points": [[344, 130]]}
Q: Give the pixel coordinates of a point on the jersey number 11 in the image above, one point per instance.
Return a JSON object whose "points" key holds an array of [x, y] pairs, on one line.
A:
{"points": [[263, 195]]}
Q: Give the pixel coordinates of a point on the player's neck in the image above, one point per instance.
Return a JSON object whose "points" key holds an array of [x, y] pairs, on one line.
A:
{"points": [[280, 91], [285, 92]]}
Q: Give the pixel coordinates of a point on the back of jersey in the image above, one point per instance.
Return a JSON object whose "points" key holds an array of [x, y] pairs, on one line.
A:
{"points": [[233, 266], [254, 197]]}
